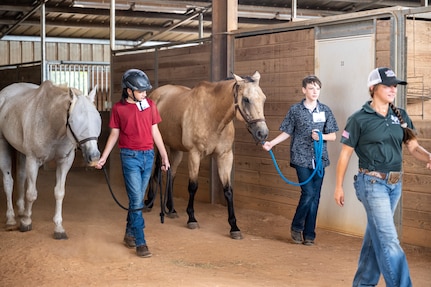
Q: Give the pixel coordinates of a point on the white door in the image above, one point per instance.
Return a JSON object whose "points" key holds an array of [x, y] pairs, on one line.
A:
{"points": [[343, 65]]}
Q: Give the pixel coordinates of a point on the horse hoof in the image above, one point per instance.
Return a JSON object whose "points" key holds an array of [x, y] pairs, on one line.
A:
{"points": [[192, 225], [236, 235], [172, 214], [146, 209], [60, 236], [11, 227], [25, 228]]}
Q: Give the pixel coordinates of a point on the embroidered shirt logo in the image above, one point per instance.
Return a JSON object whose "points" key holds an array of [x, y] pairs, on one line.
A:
{"points": [[395, 120]]}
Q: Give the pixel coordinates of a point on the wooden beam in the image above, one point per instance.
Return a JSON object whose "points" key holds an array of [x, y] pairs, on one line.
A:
{"points": [[225, 20]]}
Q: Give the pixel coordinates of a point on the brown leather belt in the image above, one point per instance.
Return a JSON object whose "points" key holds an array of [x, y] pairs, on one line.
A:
{"points": [[393, 176]]}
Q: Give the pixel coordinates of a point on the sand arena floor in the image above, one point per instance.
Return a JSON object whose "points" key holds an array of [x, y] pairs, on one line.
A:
{"points": [[95, 256]]}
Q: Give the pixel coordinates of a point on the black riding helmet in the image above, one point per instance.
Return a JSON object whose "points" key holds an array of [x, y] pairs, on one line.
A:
{"points": [[136, 80]]}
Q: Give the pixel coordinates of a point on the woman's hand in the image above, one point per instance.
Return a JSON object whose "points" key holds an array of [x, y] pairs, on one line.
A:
{"points": [[339, 196]]}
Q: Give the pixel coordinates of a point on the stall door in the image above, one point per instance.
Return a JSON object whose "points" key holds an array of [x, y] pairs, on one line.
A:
{"points": [[343, 65]]}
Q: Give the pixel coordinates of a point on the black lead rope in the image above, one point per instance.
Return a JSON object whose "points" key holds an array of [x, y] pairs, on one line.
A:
{"points": [[159, 184], [168, 191]]}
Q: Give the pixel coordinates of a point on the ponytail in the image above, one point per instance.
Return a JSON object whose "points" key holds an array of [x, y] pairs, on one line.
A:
{"points": [[409, 134]]}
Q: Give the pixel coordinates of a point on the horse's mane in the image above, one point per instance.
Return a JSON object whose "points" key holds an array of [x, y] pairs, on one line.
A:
{"points": [[66, 88], [248, 79], [62, 86]]}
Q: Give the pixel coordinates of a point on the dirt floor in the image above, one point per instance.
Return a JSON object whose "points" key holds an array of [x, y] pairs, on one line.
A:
{"points": [[95, 256]]}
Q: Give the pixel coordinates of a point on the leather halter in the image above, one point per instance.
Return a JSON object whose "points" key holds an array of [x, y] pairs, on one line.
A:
{"points": [[246, 118]]}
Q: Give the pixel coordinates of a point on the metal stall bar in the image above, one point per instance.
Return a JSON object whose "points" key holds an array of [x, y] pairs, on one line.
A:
{"points": [[84, 77]]}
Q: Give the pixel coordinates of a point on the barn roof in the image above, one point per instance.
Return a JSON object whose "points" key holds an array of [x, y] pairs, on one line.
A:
{"points": [[140, 21]]}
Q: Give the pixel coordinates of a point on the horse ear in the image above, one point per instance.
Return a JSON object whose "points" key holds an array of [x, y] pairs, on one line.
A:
{"points": [[71, 94], [237, 78], [92, 94], [72, 98], [256, 76]]}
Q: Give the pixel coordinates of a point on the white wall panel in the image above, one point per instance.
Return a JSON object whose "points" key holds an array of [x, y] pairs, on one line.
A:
{"points": [[343, 65]]}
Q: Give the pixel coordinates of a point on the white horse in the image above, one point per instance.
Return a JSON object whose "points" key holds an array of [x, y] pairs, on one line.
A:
{"points": [[44, 123]]}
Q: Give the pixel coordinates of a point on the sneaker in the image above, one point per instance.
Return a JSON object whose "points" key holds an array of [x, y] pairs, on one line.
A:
{"points": [[129, 241], [296, 236], [142, 251], [308, 242]]}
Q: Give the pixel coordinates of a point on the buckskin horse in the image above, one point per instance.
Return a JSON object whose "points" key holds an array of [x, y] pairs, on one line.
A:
{"points": [[44, 123], [200, 121]]}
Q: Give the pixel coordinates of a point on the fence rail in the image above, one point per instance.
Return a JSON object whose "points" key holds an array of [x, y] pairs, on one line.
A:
{"points": [[84, 76]]}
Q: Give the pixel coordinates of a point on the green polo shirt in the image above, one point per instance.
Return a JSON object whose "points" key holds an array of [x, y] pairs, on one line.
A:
{"points": [[377, 140]]}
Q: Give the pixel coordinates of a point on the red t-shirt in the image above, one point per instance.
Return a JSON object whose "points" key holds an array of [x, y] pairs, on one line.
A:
{"points": [[135, 125]]}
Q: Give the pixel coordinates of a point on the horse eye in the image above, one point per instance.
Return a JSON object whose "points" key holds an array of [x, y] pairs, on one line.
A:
{"points": [[246, 100]]}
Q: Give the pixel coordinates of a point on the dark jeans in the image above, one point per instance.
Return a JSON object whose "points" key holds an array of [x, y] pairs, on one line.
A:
{"points": [[306, 212]]}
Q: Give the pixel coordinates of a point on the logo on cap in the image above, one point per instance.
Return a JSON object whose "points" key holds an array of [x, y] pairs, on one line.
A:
{"points": [[390, 74]]}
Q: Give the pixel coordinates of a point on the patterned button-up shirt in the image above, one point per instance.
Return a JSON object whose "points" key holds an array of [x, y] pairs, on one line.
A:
{"points": [[299, 124]]}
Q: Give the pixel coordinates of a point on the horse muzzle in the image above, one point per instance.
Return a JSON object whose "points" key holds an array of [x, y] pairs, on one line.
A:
{"points": [[258, 129], [90, 152]]}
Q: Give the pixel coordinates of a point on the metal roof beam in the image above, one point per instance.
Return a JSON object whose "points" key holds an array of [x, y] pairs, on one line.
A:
{"points": [[22, 19], [102, 25]]}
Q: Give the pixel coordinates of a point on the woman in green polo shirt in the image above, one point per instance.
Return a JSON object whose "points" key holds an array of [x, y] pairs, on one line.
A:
{"points": [[376, 134]]}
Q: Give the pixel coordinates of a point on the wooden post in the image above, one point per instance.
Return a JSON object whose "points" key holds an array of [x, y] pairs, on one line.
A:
{"points": [[224, 20]]}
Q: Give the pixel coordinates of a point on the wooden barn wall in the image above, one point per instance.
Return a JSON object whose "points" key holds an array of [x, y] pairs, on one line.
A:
{"points": [[283, 59], [417, 179], [18, 52], [30, 74], [416, 203], [418, 68], [416, 199], [182, 66]]}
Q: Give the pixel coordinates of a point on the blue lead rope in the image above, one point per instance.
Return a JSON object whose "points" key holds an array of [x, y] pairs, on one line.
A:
{"points": [[318, 150]]}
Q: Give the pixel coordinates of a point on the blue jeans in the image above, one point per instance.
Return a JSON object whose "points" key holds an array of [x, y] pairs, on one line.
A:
{"points": [[137, 167], [381, 251], [306, 212]]}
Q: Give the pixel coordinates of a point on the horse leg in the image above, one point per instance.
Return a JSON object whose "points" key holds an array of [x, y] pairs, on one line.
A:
{"points": [[224, 165], [21, 176], [63, 167], [6, 169], [32, 168], [194, 163]]}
